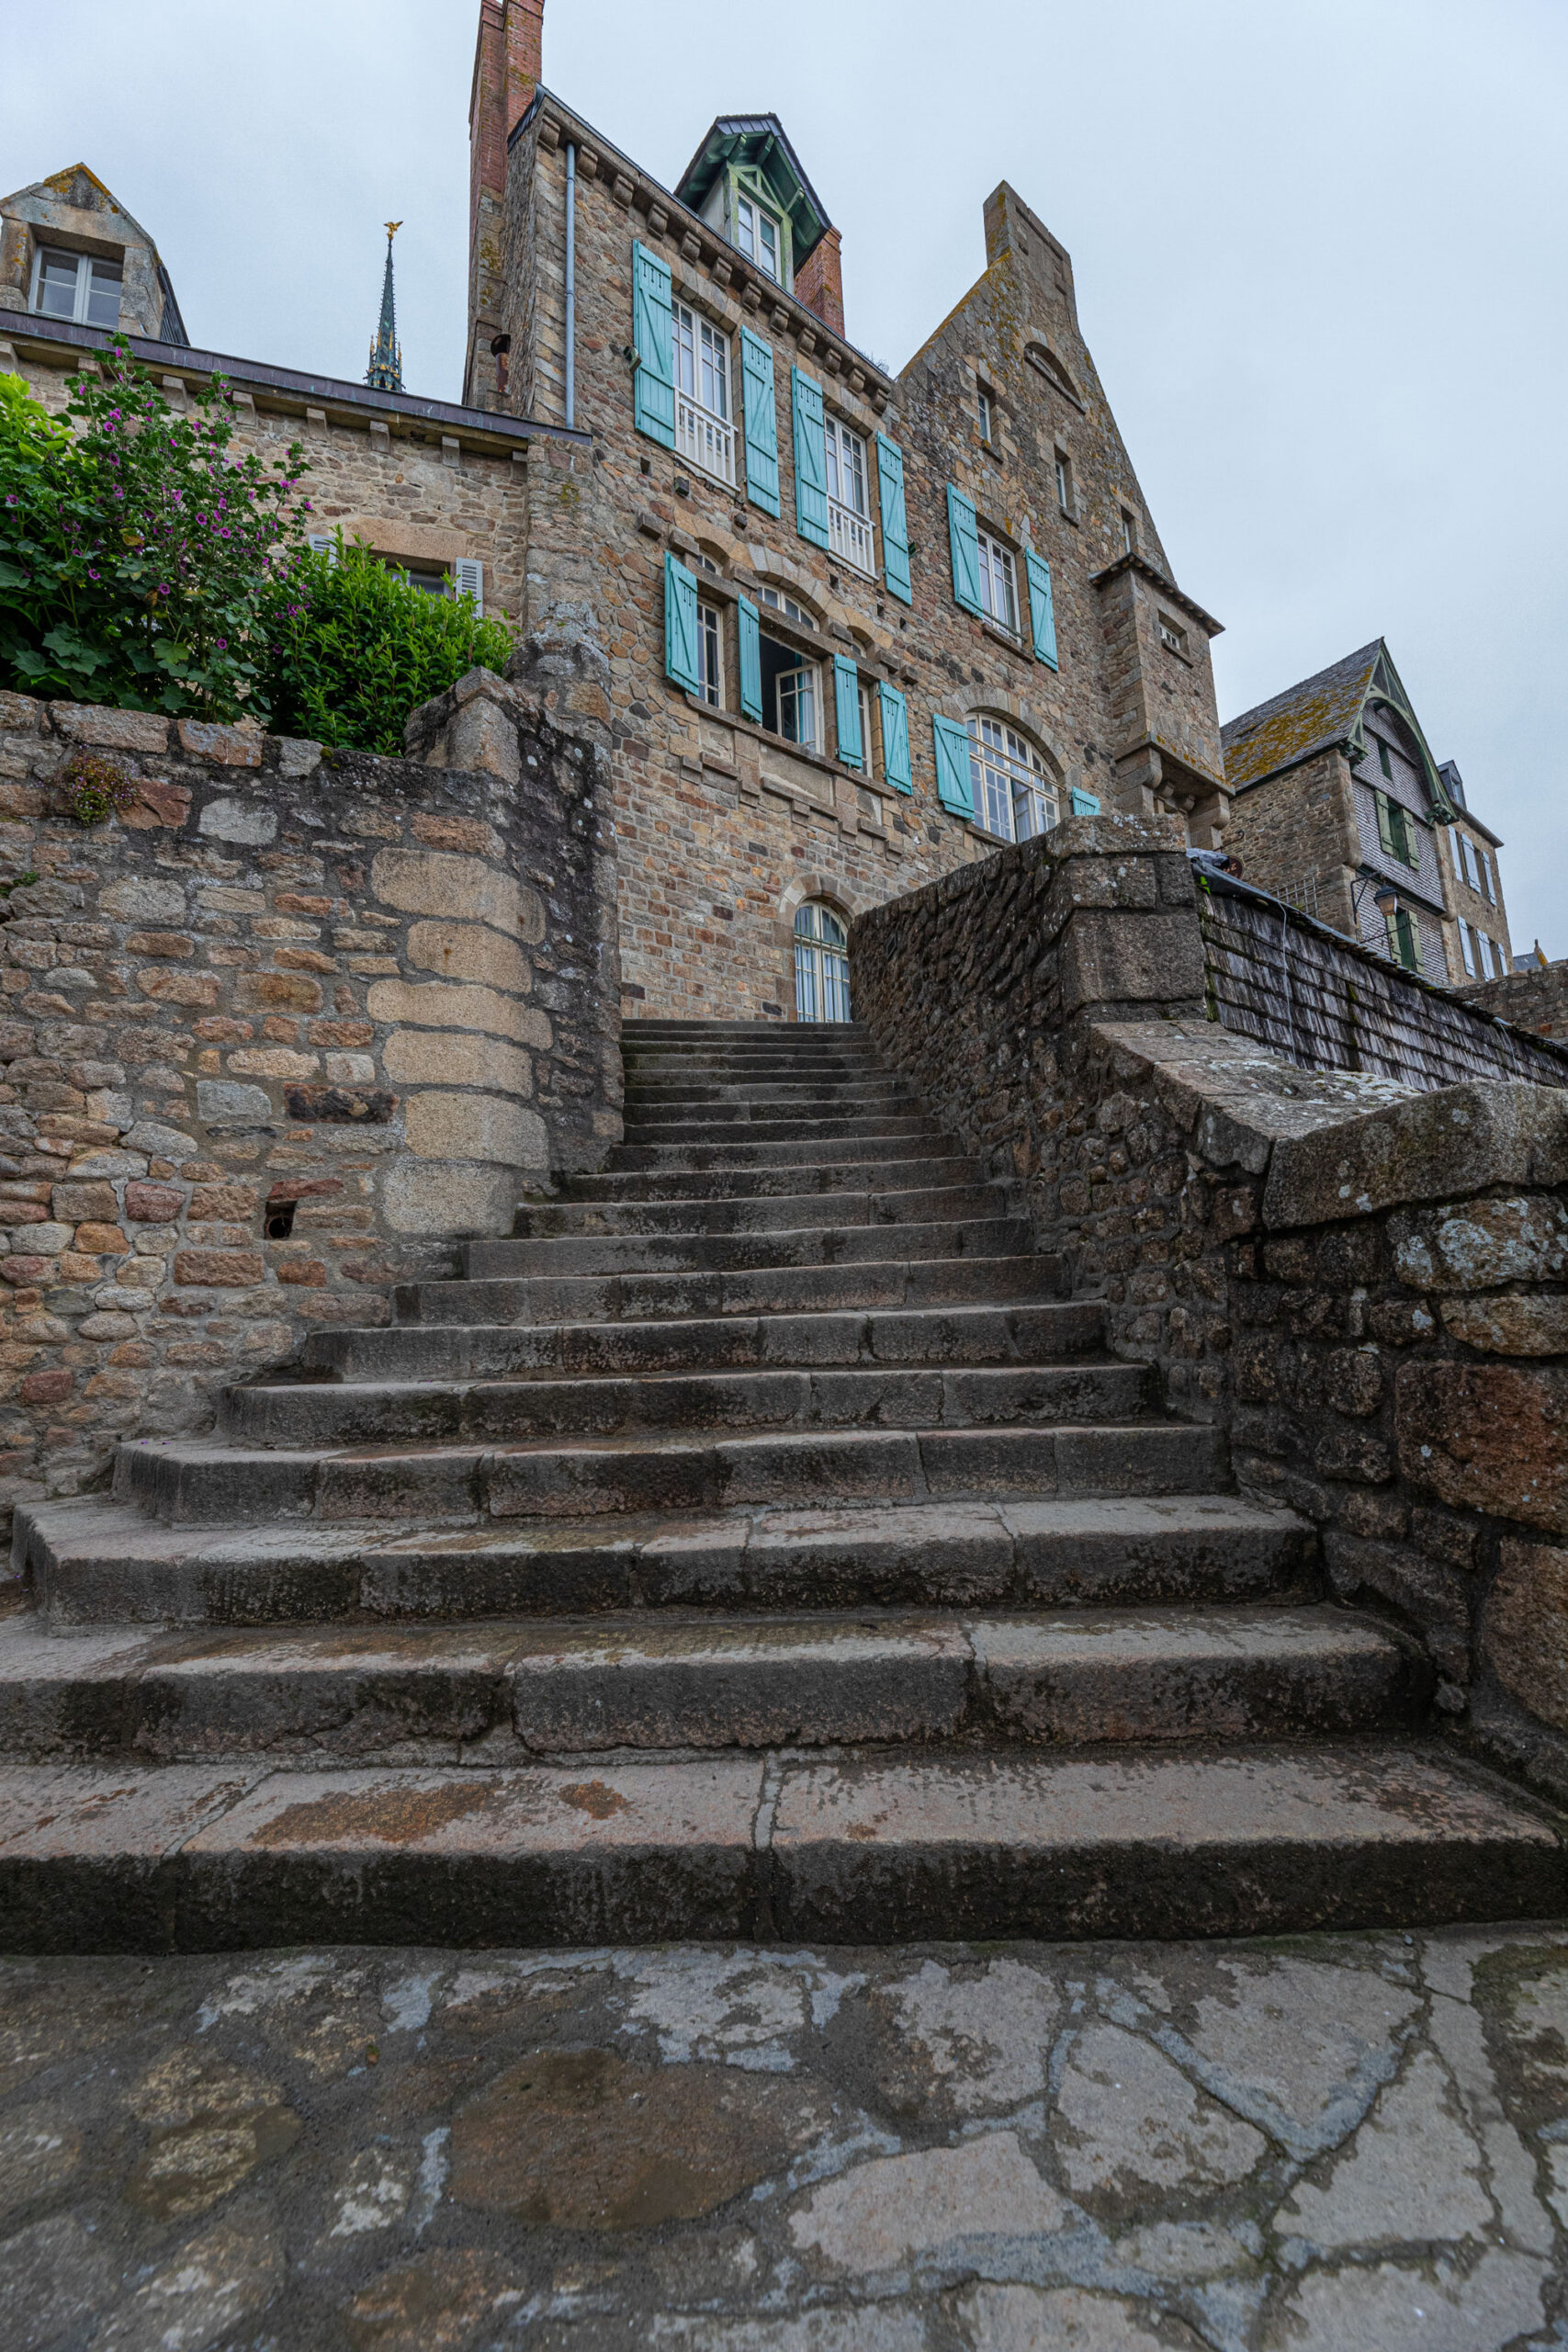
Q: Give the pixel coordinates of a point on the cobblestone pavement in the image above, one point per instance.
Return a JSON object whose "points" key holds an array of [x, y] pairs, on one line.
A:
{"points": [[1326, 2143]]}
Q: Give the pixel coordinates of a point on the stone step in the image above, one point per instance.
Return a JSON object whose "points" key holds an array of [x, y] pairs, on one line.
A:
{"points": [[873, 1172], [93, 1560], [892, 1283], [793, 1033], [814, 1217], [513, 1691], [768, 1093], [683, 1252], [870, 1141], [202, 1480], [519, 1349], [616, 1404], [644, 1128], [859, 1849]]}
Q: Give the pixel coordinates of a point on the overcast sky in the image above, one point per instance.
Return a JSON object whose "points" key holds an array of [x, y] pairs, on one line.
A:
{"points": [[1319, 249]]}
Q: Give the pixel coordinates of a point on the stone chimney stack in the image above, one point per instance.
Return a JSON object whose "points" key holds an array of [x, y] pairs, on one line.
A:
{"points": [[819, 280], [507, 65]]}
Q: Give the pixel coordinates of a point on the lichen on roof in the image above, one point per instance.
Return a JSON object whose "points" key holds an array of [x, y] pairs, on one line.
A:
{"points": [[1305, 718]]}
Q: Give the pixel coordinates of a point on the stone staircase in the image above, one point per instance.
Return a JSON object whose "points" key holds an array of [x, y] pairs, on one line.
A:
{"points": [[758, 1545]]}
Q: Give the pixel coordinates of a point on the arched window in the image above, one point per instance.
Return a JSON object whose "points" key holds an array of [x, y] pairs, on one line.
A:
{"points": [[821, 963], [1015, 793]]}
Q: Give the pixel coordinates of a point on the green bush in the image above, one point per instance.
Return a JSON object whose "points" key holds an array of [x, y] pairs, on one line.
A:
{"points": [[137, 555], [353, 648]]}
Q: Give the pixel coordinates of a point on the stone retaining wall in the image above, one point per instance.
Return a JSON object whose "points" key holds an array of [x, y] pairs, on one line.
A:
{"points": [[277, 1034], [1365, 1284], [1535, 997]]}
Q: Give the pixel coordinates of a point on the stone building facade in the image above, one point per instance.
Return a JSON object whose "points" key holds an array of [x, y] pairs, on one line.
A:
{"points": [[1340, 809]]}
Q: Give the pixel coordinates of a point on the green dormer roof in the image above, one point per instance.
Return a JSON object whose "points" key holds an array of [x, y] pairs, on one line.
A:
{"points": [[760, 143]]}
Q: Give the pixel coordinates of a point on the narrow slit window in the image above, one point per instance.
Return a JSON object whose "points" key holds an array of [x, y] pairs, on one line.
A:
{"points": [[710, 656], [987, 418], [998, 583], [1064, 481]]}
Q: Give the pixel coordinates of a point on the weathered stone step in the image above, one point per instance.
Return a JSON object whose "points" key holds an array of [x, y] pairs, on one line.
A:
{"points": [[195, 1480], [896, 1283], [871, 1172], [684, 1251], [545, 1688], [791, 1033], [1277, 1839], [95, 1560], [764, 1094], [1017, 1334], [869, 1140], [814, 1214], [616, 1404], [646, 1128]]}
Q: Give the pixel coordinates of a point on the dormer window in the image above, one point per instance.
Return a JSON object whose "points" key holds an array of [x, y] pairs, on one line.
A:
{"points": [[757, 235], [76, 286]]}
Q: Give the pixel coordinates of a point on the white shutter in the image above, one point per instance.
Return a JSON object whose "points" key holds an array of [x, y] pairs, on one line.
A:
{"points": [[470, 580], [324, 543]]}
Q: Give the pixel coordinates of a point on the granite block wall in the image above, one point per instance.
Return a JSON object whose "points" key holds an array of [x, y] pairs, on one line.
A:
{"points": [[276, 1035]]}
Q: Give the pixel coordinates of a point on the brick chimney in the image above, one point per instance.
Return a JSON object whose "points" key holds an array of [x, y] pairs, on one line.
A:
{"points": [[507, 66], [819, 280]]}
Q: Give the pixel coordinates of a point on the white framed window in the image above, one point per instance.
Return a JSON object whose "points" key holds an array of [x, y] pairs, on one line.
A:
{"points": [[1172, 634], [710, 656], [1014, 794], [987, 417], [788, 608], [1129, 531], [76, 286], [703, 429], [757, 235], [1064, 481], [867, 741], [821, 963], [998, 583], [850, 534], [792, 696]]}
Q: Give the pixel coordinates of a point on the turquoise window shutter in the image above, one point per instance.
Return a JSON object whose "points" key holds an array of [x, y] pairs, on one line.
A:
{"points": [[653, 339], [895, 519], [762, 422], [953, 765], [846, 697], [750, 660], [895, 740], [1084, 803], [681, 624], [965, 534], [1040, 611], [810, 461]]}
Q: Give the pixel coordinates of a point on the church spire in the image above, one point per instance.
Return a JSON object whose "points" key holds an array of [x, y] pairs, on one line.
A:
{"points": [[385, 372]]}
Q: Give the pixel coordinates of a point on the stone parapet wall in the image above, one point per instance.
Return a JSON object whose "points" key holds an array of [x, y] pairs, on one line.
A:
{"points": [[1534, 999], [1365, 1284], [276, 1036]]}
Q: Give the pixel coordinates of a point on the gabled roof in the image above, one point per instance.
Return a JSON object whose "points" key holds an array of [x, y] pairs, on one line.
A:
{"points": [[761, 141], [1321, 711], [81, 190]]}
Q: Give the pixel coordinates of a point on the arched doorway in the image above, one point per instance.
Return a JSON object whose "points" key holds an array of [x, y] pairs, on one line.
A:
{"points": [[821, 963]]}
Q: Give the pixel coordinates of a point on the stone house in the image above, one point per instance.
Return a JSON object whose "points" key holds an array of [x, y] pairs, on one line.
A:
{"points": [[1339, 807], [68, 249]]}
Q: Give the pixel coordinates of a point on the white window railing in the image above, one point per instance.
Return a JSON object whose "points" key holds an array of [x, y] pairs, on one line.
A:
{"points": [[852, 539], [705, 440]]}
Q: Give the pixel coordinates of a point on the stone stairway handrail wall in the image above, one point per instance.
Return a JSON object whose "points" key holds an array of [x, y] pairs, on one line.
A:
{"points": [[1365, 1285], [280, 1034]]}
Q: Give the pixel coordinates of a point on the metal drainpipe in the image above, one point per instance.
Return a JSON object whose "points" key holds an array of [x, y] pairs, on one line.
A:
{"points": [[571, 286]]}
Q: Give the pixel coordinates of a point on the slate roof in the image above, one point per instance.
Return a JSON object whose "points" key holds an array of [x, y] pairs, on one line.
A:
{"points": [[1305, 718]]}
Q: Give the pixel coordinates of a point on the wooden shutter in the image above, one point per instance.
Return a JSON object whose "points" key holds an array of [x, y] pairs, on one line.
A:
{"points": [[1084, 804], [810, 461], [952, 741], [1042, 612], [1385, 821], [468, 580], [846, 701], [895, 519], [964, 532], [759, 406], [681, 625], [745, 621], [896, 767], [653, 340], [324, 543]]}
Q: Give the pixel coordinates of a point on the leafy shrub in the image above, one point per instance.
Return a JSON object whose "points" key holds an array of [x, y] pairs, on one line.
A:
{"points": [[355, 649], [136, 554]]}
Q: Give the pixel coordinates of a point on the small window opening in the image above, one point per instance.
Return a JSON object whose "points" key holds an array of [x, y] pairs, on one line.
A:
{"points": [[280, 1219], [1129, 532], [1171, 634], [987, 419], [1383, 759], [1064, 481]]}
